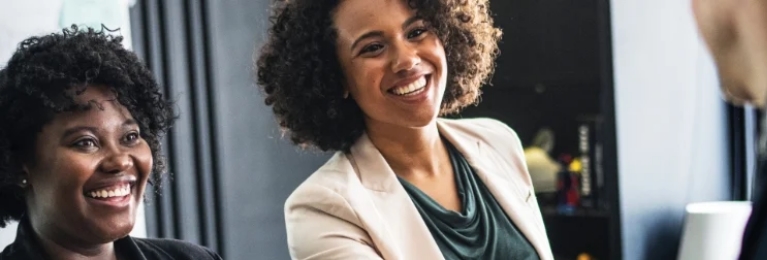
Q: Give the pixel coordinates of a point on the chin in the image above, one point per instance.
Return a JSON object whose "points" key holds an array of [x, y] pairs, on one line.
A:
{"points": [[107, 232], [421, 121]]}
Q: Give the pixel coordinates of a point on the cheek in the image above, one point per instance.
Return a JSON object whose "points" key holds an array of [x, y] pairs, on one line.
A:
{"points": [[365, 78], [440, 50], [62, 175], [434, 53], [431, 49], [144, 161]]}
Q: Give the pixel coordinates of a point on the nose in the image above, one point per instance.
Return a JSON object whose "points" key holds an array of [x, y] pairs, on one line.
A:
{"points": [[404, 58], [117, 162]]}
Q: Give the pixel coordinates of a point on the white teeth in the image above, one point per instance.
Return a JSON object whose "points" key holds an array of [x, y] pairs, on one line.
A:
{"points": [[412, 88], [117, 192]]}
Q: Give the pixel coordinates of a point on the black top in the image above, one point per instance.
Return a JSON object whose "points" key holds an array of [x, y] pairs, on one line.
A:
{"points": [[481, 230], [26, 247], [755, 236]]}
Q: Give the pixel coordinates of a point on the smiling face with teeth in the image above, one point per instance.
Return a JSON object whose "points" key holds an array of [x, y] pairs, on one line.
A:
{"points": [[393, 63], [88, 172]]}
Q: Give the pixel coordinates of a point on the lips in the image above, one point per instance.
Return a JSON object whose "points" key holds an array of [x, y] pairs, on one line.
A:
{"points": [[412, 88], [109, 188], [119, 190]]}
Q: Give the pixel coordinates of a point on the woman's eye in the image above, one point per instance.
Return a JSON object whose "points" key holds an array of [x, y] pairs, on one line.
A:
{"points": [[132, 138], [415, 33], [372, 48], [85, 143]]}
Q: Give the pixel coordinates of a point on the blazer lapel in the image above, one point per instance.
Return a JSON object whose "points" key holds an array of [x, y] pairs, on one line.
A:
{"points": [[394, 224], [513, 199]]}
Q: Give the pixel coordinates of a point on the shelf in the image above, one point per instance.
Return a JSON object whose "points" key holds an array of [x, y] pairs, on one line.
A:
{"points": [[549, 211], [584, 231]]}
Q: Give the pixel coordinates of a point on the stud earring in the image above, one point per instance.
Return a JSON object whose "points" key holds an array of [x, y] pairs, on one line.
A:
{"points": [[346, 94], [24, 181]]}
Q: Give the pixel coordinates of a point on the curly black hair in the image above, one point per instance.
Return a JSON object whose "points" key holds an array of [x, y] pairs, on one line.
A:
{"points": [[42, 79], [300, 74]]}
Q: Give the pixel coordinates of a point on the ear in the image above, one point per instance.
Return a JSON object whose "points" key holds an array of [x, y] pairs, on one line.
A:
{"points": [[25, 169], [24, 180], [345, 88]]}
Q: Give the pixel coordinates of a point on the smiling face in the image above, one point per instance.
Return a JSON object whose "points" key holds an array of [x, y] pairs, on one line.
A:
{"points": [[394, 65], [88, 173]]}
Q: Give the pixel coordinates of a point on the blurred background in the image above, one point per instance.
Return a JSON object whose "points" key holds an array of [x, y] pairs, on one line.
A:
{"points": [[616, 102]]}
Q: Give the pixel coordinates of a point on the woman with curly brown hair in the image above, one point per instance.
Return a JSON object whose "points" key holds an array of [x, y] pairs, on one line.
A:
{"points": [[369, 79], [82, 119]]}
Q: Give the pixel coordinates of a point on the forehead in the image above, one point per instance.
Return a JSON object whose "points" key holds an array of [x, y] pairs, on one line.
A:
{"points": [[355, 17], [103, 107]]}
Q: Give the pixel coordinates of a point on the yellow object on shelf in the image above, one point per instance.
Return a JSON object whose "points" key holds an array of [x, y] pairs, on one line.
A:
{"points": [[543, 169], [576, 166]]}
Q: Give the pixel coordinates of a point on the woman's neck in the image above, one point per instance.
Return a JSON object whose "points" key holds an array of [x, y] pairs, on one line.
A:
{"points": [[58, 245], [410, 151]]}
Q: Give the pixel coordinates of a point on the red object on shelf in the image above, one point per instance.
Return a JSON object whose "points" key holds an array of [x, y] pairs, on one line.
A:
{"points": [[567, 183], [573, 196]]}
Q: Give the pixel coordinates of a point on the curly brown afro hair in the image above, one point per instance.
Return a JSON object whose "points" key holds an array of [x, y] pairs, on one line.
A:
{"points": [[300, 74], [42, 78]]}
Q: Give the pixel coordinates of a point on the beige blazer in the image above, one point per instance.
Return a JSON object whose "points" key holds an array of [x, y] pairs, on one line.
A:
{"points": [[354, 207]]}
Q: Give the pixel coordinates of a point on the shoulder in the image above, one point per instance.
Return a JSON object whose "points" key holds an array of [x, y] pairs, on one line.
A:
{"points": [[481, 124], [327, 192], [176, 249], [500, 142], [491, 131], [326, 185], [324, 204], [10, 252]]}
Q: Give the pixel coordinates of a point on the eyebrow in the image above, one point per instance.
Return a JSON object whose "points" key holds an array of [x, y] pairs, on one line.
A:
{"points": [[407, 23], [76, 129]]}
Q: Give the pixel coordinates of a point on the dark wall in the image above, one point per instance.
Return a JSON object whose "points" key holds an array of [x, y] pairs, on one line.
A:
{"points": [[548, 72], [554, 70], [232, 170]]}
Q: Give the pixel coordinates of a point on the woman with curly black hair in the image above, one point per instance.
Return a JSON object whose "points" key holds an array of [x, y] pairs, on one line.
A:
{"points": [[369, 79], [79, 140]]}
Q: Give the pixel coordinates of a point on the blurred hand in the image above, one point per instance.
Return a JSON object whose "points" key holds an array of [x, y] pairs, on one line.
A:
{"points": [[736, 33]]}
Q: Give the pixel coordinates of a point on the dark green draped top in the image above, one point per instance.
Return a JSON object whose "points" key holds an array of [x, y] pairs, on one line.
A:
{"points": [[481, 230]]}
